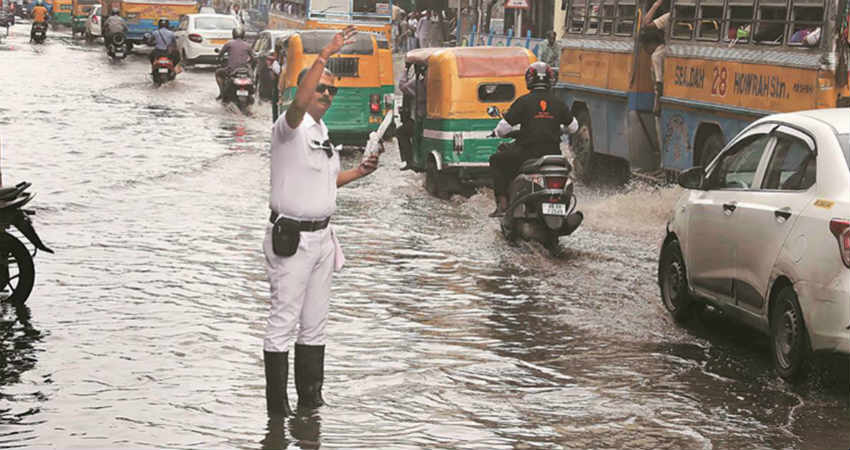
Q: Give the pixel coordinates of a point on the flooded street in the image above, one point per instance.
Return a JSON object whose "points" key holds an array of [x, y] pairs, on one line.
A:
{"points": [[145, 328]]}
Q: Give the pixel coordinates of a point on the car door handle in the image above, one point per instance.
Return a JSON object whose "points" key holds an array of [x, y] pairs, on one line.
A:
{"points": [[782, 214], [729, 208]]}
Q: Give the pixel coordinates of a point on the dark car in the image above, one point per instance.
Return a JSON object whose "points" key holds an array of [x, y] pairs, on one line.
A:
{"points": [[264, 77]]}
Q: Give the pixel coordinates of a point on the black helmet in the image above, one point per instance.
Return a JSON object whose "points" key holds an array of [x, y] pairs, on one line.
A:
{"points": [[162, 23], [238, 33], [539, 76]]}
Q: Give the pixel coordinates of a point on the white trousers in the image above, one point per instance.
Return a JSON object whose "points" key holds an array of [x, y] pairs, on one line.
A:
{"points": [[658, 63], [300, 290]]}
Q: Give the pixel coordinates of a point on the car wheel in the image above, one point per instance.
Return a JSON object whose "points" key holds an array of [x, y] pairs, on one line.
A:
{"points": [[673, 280], [789, 340]]}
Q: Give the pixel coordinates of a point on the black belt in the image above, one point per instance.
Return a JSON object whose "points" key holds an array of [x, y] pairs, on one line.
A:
{"points": [[304, 225]]}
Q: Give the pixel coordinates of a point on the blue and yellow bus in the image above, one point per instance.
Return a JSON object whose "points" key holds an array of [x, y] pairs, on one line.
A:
{"points": [[727, 63], [142, 15]]}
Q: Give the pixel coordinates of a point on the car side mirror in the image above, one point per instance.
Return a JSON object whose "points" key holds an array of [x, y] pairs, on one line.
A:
{"points": [[493, 111], [692, 178]]}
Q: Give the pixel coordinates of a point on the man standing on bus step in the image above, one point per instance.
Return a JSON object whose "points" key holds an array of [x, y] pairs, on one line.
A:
{"points": [[659, 27], [300, 248], [551, 51]]}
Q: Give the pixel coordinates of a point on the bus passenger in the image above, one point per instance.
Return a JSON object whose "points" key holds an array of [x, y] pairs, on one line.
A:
{"points": [[660, 26]]}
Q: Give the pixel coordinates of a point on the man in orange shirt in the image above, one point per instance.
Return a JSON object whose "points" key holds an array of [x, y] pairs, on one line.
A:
{"points": [[39, 17]]}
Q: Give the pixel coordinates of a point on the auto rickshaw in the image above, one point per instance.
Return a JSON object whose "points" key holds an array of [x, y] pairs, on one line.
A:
{"points": [[62, 12], [452, 140], [80, 10], [362, 99]]}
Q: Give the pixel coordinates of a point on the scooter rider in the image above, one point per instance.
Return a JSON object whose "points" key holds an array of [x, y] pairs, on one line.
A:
{"points": [[239, 54], [113, 24], [39, 16], [541, 115], [165, 43]]}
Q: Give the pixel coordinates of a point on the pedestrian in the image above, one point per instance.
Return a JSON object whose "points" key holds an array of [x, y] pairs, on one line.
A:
{"points": [[300, 247], [551, 51], [412, 23], [423, 30], [403, 32]]}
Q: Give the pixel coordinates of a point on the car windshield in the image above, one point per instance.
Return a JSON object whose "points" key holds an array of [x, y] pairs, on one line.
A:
{"points": [[215, 23], [844, 140]]}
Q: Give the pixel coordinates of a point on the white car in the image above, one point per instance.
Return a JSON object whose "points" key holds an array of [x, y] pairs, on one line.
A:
{"points": [[93, 23], [201, 36], [763, 234]]}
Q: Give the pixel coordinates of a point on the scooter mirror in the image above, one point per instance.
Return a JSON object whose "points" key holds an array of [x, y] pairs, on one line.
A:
{"points": [[493, 111]]}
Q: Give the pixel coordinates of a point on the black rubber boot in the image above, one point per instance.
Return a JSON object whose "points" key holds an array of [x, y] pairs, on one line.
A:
{"points": [[277, 371], [309, 375]]}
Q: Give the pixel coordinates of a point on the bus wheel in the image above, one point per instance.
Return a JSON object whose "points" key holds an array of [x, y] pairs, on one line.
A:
{"points": [[582, 145], [710, 147]]}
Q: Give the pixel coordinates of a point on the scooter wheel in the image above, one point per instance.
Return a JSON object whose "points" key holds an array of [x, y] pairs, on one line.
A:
{"points": [[17, 272]]}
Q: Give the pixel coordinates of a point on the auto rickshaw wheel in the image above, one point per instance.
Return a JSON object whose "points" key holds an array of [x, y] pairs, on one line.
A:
{"points": [[435, 182], [17, 272]]}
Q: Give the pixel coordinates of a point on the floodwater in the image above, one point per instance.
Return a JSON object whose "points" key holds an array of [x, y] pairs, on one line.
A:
{"points": [[145, 328]]}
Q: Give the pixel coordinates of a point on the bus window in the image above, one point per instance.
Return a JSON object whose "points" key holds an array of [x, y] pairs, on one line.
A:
{"points": [[806, 22], [600, 13], [770, 23], [711, 19], [684, 15], [575, 21], [626, 11], [739, 20]]}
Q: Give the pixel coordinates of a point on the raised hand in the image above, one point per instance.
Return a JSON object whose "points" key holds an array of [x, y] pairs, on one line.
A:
{"points": [[340, 40]]}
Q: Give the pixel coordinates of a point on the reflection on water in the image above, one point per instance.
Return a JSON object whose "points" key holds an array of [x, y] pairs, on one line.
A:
{"points": [[441, 335]]}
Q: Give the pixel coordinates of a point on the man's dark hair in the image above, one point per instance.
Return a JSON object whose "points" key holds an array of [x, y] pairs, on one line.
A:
{"points": [[307, 69]]}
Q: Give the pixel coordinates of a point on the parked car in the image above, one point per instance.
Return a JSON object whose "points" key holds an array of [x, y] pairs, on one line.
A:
{"points": [[201, 36], [763, 235], [264, 78], [93, 23]]}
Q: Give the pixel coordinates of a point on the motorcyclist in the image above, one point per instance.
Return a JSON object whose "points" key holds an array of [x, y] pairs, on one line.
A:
{"points": [[165, 43], [542, 117], [39, 16], [239, 54], [113, 24]]}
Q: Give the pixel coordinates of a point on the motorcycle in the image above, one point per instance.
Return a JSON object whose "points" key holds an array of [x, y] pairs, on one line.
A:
{"points": [[17, 272], [39, 32], [541, 200], [116, 47]]}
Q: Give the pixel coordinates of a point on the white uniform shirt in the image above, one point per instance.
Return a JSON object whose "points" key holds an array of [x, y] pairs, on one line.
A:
{"points": [[303, 178]]}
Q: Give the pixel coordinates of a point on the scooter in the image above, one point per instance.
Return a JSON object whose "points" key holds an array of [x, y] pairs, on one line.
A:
{"points": [[17, 272], [39, 32], [162, 69], [240, 89], [541, 200], [116, 48]]}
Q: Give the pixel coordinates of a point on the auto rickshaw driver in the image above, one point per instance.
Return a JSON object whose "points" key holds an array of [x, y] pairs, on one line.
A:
{"points": [[542, 116]]}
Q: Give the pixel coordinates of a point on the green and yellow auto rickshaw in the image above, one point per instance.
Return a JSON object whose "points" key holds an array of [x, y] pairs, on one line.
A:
{"points": [[452, 140], [62, 12]]}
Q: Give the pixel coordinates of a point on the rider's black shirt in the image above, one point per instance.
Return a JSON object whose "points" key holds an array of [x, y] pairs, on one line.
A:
{"points": [[540, 114]]}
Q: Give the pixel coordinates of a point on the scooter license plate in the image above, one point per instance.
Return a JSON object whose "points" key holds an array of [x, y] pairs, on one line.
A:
{"points": [[242, 93], [119, 54], [163, 70], [554, 209]]}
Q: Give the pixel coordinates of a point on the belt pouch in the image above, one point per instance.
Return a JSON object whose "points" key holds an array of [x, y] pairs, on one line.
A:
{"points": [[286, 234]]}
